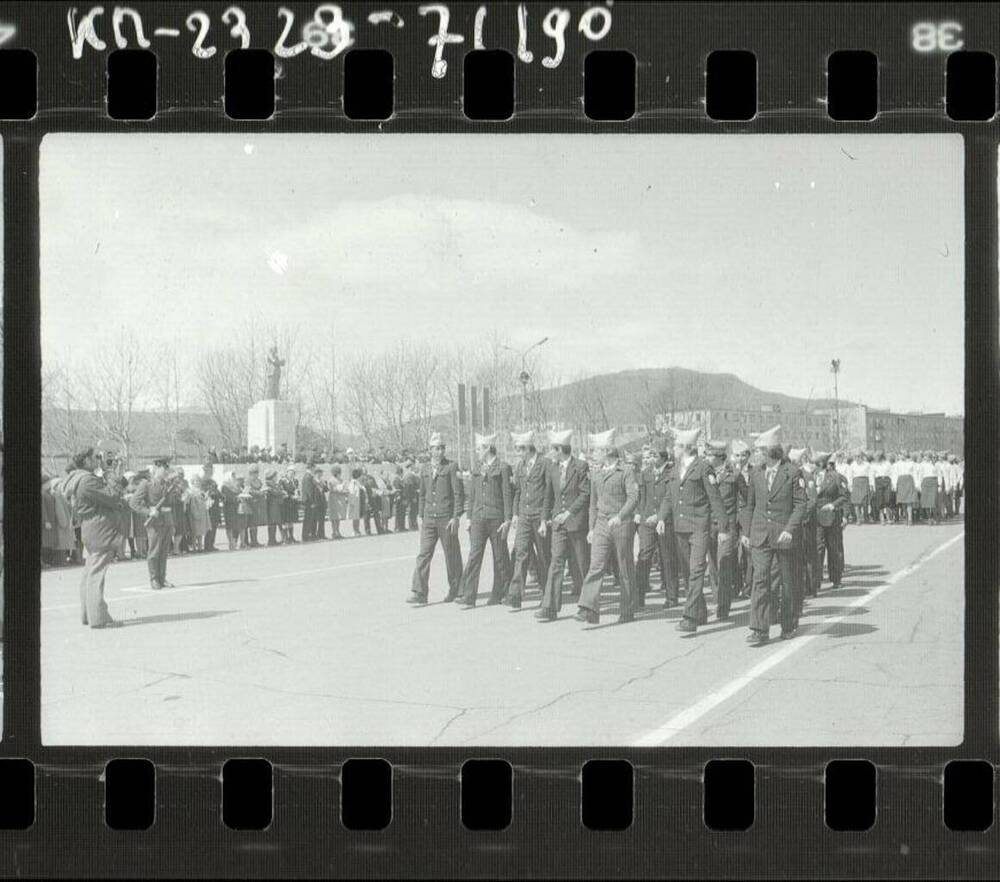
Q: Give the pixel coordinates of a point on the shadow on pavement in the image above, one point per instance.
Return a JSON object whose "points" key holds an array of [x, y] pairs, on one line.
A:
{"points": [[177, 617], [841, 629], [835, 610]]}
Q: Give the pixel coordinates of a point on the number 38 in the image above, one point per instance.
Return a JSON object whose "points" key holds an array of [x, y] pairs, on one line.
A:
{"points": [[929, 36]]}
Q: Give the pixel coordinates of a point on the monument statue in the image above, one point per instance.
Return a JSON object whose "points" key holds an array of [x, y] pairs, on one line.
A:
{"points": [[274, 365]]}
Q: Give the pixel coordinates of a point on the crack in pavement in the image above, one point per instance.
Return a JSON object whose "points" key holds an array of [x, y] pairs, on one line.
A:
{"points": [[450, 720], [651, 671]]}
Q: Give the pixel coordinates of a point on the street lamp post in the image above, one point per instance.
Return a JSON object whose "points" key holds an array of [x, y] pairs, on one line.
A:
{"points": [[835, 368], [524, 377]]}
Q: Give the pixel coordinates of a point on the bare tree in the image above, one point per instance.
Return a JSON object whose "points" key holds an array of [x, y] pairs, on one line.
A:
{"points": [[114, 380]]}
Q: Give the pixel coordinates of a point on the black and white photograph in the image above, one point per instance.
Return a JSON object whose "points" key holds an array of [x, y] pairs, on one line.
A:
{"points": [[513, 440]]}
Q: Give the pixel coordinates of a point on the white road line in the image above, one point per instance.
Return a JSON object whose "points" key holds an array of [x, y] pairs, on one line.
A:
{"points": [[678, 723], [170, 592]]}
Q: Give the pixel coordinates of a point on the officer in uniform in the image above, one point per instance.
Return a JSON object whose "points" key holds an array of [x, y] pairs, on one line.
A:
{"points": [[490, 509], [693, 500], [533, 500], [654, 484], [614, 494], [571, 491], [776, 501], [441, 503], [151, 500], [832, 497], [722, 554]]}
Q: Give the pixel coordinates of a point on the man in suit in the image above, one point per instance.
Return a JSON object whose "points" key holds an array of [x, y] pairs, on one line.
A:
{"points": [[654, 483], [614, 494], [776, 501], [722, 554], [441, 504], [832, 498], [214, 503], [693, 501], [152, 501], [533, 500], [571, 495], [804, 548], [411, 493], [398, 488], [490, 509]]}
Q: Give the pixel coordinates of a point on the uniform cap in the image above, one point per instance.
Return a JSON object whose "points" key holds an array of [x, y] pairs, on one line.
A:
{"points": [[564, 437], [350, 451], [436, 440], [603, 440], [523, 439], [486, 440], [738, 447], [820, 457], [687, 437], [770, 438], [715, 448], [796, 454]]}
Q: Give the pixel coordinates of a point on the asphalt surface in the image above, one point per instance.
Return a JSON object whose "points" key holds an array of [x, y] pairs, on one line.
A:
{"points": [[314, 645]]}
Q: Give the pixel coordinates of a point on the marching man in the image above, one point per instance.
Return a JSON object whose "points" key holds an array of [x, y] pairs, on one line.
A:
{"points": [[776, 501], [442, 499], [571, 491], [533, 497], [694, 501], [490, 511], [614, 494]]}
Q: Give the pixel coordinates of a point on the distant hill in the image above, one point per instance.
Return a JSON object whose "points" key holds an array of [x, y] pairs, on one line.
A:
{"points": [[634, 396]]}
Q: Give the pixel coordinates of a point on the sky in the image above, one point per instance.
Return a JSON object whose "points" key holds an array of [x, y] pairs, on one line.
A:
{"points": [[763, 256]]}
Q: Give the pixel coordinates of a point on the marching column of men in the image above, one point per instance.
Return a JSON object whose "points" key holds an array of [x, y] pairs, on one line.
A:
{"points": [[761, 516]]}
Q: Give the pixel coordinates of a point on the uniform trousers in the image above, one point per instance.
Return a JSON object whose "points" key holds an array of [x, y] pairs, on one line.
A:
{"points": [[432, 531], [400, 516], [525, 540], [807, 570], [652, 545], [610, 544], [481, 532], [411, 513], [830, 544], [568, 547], [773, 585], [723, 559], [210, 537], [160, 537], [93, 609], [691, 551]]}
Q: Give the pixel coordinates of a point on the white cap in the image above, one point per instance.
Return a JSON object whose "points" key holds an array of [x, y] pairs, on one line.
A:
{"points": [[796, 454], [770, 438], [738, 447], [523, 439], [603, 440], [564, 437], [687, 437], [436, 440], [486, 440]]}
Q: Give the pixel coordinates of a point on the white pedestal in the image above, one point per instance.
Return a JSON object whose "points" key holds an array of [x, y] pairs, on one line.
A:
{"points": [[271, 423]]}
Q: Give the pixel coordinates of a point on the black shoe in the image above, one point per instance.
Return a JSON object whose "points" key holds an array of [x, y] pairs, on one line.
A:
{"points": [[757, 638], [722, 617], [835, 586], [167, 584], [545, 615], [588, 616], [494, 601], [515, 601], [687, 626], [449, 597], [789, 634], [156, 586], [669, 604], [416, 598], [466, 604]]}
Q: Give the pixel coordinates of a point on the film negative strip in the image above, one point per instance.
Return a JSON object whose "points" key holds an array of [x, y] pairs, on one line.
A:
{"points": [[688, 311]]}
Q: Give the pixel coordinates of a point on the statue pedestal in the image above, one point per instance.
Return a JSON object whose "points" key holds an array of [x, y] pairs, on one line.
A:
{"points": [[271, 423]]}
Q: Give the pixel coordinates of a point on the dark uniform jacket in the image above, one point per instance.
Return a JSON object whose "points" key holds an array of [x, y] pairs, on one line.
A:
{"points": [[732, 492], [831, 488], [694, 499], [533, 493], [150, 493], [96, 507], [491, 492], [573, 494], [311, 496], [441, 491], [613, 492], [780, 509], [654, 484]]}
